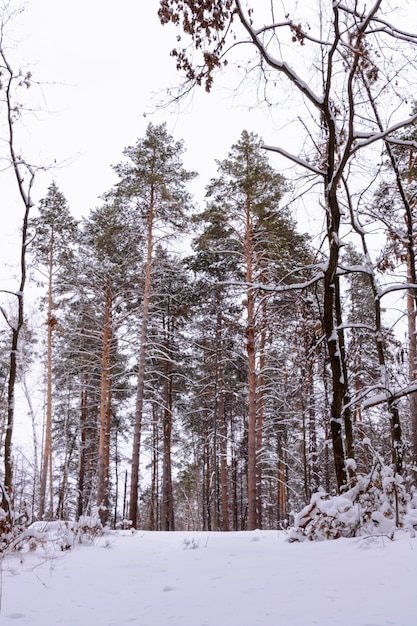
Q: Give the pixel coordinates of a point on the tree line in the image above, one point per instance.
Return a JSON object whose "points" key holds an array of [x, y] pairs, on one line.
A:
{"points": [[222, 388], [193, 391]]}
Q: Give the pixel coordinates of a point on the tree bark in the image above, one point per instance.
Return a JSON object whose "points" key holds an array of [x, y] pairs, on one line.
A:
{"points": [[154, 512], [221, 417], [411, 319], [82, 447], [260, 413], [167, 491], [20, 168], [281, 489], [412, 366], [134, 482], [251, 356], [105, 410], [47, 450]]}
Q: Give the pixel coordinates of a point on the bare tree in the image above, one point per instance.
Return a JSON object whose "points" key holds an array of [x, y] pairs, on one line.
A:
{"points": [[341, 67], [11, 82]]}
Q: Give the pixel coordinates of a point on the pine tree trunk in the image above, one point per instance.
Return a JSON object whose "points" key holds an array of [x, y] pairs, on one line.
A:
{"points": [[47, 451], [105, 410], [137, 432], [82, 447], [282, 490], [154, 512], [347, 415], [206, 482], [304, 448], [217, 416], [214, 486], [221, 419], [314, 480], [250, 347], [167, 492], [233, 473], [251, 356], [168, 497], [197, 485], [221, 414], [260, 414], [61, 512]]}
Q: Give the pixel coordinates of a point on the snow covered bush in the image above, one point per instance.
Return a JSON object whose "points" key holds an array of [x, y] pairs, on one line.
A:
{"points": [[49, 535], [190, 544], [89, 526], [12, 525], [376, 504], [5, 530]]}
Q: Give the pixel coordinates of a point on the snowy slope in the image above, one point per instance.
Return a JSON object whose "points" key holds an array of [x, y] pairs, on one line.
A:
{"points": [[214, 579]]}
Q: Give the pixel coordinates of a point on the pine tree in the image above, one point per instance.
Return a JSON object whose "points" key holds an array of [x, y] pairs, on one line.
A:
{"points": [[215, 368], [54, 234], [259, 244], [166, 379], [111, 261], [152, 186], [77, 375]]}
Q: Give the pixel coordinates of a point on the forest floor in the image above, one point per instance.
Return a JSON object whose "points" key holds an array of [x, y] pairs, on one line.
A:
{"points": [[213, 579]]}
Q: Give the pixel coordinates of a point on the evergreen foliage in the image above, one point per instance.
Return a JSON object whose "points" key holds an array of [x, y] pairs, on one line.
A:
{"points": [[213, 365]]}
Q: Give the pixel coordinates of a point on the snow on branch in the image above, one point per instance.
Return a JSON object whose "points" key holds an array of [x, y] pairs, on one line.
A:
{"points": [[271, 288], [369, 138], [397, 287], [349, 326], [393, 31], [402, 142], [354, 269], [292, 287], [294, 159], [386, 396]]}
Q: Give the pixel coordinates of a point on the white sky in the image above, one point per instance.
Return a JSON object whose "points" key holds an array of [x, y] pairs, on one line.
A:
{"points": [[104, 64], [101, 65]]}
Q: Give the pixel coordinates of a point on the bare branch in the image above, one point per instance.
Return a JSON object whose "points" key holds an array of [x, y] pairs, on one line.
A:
{"points": [[276, 64], [295, 159]]}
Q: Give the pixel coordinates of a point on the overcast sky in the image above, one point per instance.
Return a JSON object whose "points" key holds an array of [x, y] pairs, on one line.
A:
{"points": [[103, 65]]}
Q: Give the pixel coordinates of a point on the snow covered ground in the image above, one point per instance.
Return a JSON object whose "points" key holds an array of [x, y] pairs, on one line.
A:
{"points": [[214, 579]]}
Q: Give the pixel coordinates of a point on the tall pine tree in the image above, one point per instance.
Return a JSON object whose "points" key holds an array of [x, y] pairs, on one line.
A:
{"points": [[54, 235], [152, 187]]}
